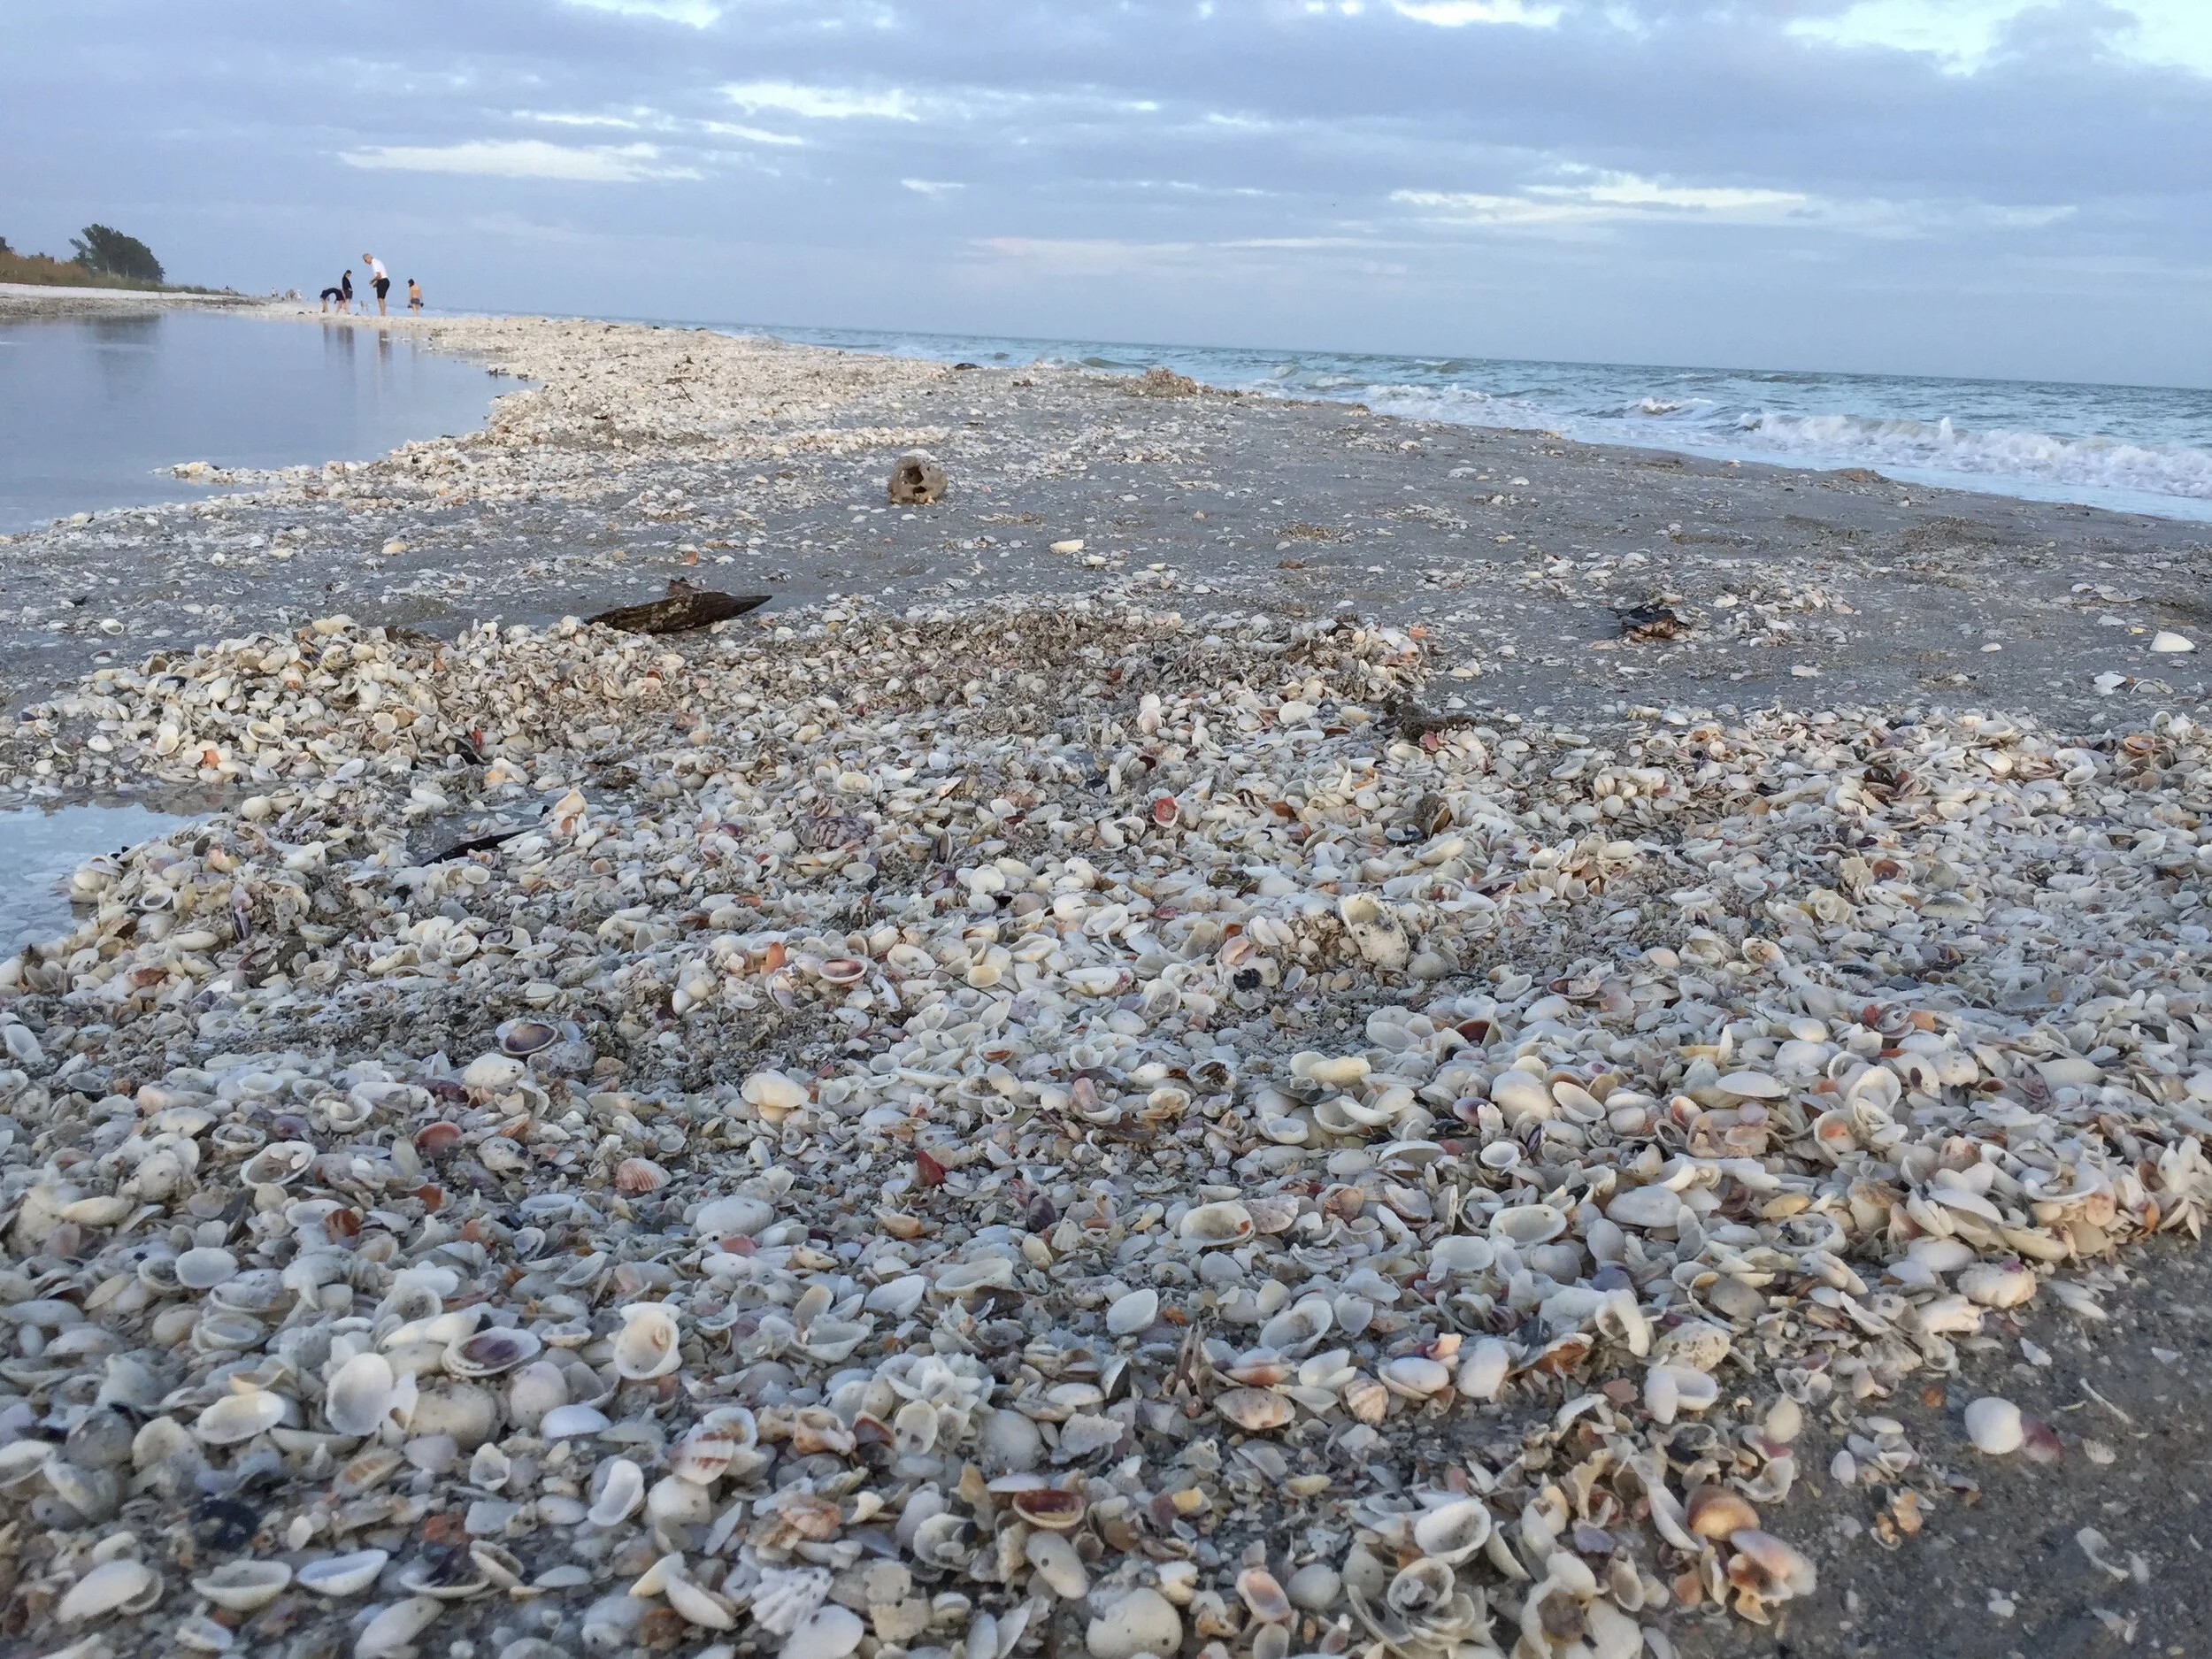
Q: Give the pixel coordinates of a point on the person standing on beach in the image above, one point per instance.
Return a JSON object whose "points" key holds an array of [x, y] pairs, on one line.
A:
{"points": [[345, 292], [414, 295], [378, 279]]}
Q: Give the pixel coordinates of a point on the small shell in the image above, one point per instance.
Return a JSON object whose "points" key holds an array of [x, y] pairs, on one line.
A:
{"points": [[635, 1177], [704, 1454], [1211, 1227], [1715, 1511], [1994, 1426], [650, 1344], [240, 1416], [1264, 1595], [205, 1268], [241, 1586], [1453, 1531], [1133, 1312], [1255, 1409], [489, 1353], [113, 1587], [278, 1164], [361, 1394], [1527, 1225], [1482, 1373], [618, 1489], [340, 1576], [521, 1038], [1415, 1376], [1051, 1508]]}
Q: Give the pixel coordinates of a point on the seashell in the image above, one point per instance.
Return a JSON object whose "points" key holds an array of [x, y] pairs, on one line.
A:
{"points": [[1454, 1531], [573, 1422], [1421, 1588], [1669, 1390], [1646, 1207], [1341, 1073], [704, 1454], [204, 1269], [1133, 1312], [1211, 1227], [1415, 1377], [491, 1074], [1058, 1565], [649, 1345], [1264, 1596], [1527, 1225], [1769, 1568], [361, 1394], [1049, 1508], [1995, 1427], [393, 1632], [1462, 1253], [240, 1586], [1522, 1097], [774, 1096], [1299, 1325], [240, 1416], [635, 1177], [618, 1487], [828, 1633], [1715, 1512], [278, 1163], [533, 1391], [843, 971], [1482, 1372], [1255, 1410], [489, 1353], [122, 1586], [2000, 1284], [338, 1576], [1141, 1622], [519, 1038]]}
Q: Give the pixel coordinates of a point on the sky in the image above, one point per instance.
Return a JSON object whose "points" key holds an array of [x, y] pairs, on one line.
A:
{"points": [[2019, 189]]}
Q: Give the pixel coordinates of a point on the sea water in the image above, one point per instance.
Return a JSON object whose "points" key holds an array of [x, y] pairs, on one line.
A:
{"points": [[41, 848], [2134, 449], [94, 412]]}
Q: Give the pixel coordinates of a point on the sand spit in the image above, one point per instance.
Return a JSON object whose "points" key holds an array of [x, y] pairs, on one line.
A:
{"points": [[1121, 1120]]}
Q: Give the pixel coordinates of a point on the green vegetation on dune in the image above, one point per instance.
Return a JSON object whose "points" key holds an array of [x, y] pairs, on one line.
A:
{"points": [[101, 257]]}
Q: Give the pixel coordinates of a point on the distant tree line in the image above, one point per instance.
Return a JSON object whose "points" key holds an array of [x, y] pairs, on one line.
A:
{"points": [[101, 255]]}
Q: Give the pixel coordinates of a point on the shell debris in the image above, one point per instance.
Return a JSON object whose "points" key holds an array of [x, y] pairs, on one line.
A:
{"points": [[939, 1129]]}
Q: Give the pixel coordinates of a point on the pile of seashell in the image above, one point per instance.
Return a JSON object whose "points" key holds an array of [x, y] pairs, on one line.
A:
{"points": [[904, 1136]]}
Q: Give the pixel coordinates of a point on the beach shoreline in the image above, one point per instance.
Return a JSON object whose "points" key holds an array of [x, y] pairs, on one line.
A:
{"points": [[1199, 810]]}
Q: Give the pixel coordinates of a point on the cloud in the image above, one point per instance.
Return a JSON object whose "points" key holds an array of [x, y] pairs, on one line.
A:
{"points": [[698, 14], [1453, 14], [1966, 36], [523, 158], [1597, 197], [930, 186], [823, 103]]}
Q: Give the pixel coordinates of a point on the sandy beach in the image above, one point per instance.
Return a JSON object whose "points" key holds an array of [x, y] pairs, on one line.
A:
{"points": [[1260, 1003]]}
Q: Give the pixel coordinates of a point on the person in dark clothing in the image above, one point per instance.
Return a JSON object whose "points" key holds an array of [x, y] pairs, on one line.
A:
{"points": [[334, 294]]}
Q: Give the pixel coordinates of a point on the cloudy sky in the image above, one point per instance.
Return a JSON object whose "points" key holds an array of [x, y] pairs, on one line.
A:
{"points": [[2017, 188]]}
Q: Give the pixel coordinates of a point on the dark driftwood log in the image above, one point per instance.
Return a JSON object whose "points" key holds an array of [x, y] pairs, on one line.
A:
{"points": [[685, 608]]}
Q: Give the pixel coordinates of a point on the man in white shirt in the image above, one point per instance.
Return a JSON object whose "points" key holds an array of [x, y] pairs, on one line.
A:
{"points": [[378, 279]]}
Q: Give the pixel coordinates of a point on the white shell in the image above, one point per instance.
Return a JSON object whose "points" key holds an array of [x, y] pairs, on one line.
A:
{"points": [[1133, 1312], [109, 1587], [240, 1416], [650, 1343], [1482, 1371], [1209, 1227], [1995, 1426], [1453, 1531], [340, 1576], [618, 1489], [243, 1586], [361, 1394], [828, 1633]]}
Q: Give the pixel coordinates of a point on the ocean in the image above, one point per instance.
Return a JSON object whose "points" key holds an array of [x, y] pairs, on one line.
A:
{"points": [[2131, 449], [94, 410]]}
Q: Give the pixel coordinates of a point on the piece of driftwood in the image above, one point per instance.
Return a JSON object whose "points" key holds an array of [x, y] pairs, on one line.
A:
{"points": [[687, 607], [916, 480]]}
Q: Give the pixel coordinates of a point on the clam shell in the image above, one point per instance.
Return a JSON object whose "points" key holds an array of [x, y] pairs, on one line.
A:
{"points": [[361, 1394], [650, 1344], [240, 1416], [338, 1576]]}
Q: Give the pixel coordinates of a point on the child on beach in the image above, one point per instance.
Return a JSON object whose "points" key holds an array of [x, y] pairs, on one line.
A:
{"points": [[345, 292], [378, 279], [414, 295]]}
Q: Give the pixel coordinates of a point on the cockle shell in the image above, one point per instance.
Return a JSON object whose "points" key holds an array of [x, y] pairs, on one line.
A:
{"points": [[243, 1586]]}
